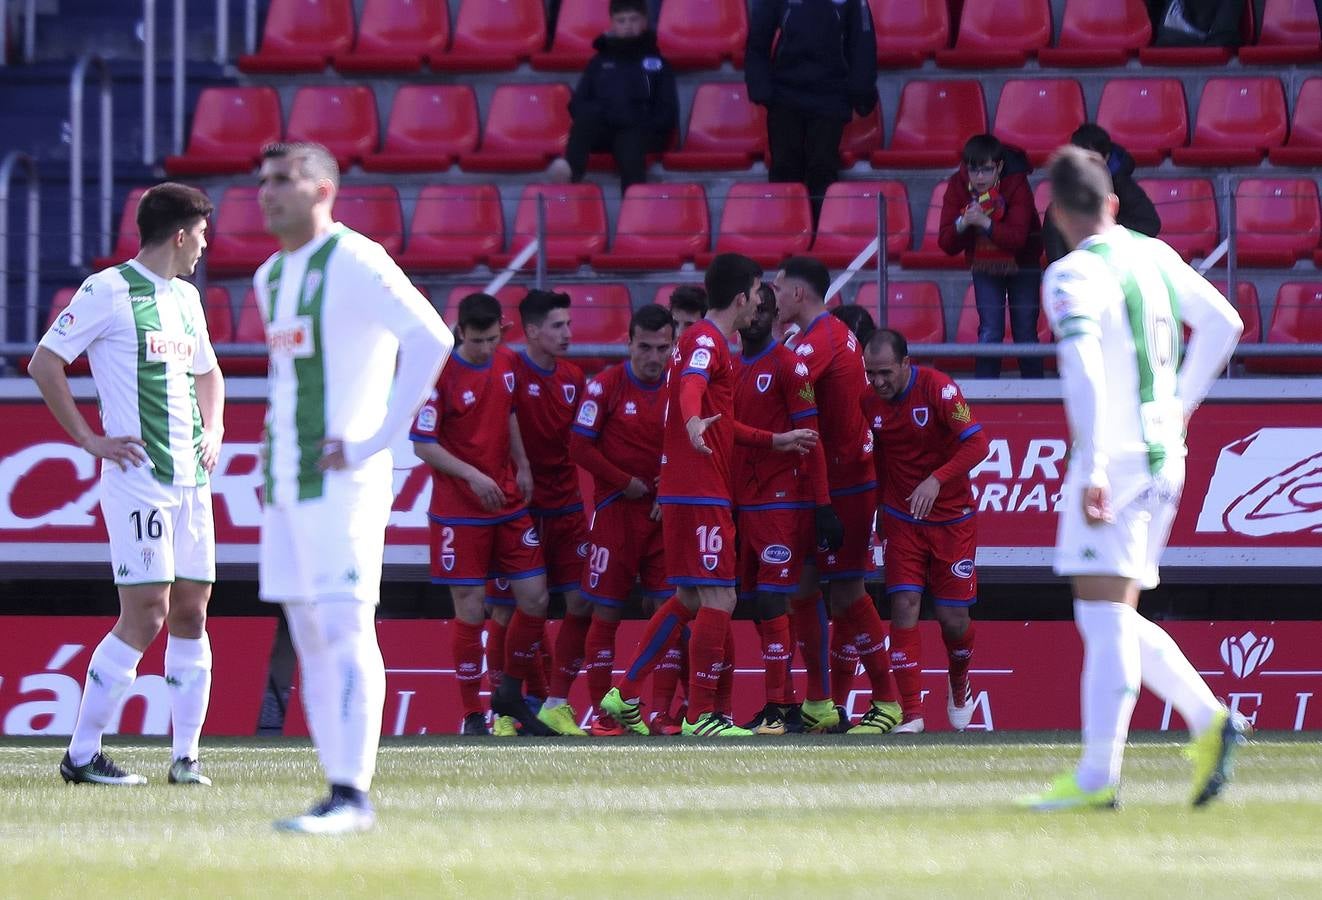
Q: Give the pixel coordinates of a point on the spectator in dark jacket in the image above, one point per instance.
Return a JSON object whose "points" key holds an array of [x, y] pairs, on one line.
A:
{"points": [[988, 215], [1136, 210], [625, 101], [823, 70]]}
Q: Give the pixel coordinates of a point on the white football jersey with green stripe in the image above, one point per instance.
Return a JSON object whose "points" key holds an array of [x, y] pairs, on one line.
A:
{"points": [[145, 337], [332, 309]]}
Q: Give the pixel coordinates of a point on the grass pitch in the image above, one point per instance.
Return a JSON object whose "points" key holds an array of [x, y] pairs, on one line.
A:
{"points": [[807, 817]]}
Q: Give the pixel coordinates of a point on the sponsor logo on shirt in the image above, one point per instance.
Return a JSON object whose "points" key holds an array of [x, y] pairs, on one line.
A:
{"points": [[291, 338], [961, 413], [64, 324], [534, 390], [652, 64], [583, 550], [763, 382], [948, 392], [963, 568], [776, 554], [700, 359], [161, 347], [804, 350], [876, 423], [920, 416], [587, 413], [469, 398], [630, 408], [427, 419], [594, 389], [801, 370], [704, 341]]}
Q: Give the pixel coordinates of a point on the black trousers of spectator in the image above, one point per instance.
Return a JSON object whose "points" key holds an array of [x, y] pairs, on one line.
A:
{"points": [[804, 148], [629, 146]]}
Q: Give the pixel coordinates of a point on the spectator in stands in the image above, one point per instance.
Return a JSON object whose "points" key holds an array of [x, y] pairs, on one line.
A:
{"points": [[625, 102], [989, 216], [823, 70], [858, 319], [1136, 210], [688, 305]]}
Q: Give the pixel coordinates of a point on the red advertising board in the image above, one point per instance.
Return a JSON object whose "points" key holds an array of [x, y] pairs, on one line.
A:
{"points": [[43, 662], [1025, 676], [1253, 495]]}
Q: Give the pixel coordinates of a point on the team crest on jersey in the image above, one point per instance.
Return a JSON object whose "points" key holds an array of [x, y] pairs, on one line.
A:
{"points": [[700, 359], [570, 392], [963, 568], [948, 392], [763, 382], [534, 390], [704, 341], [587, 413], [502, 584], [710, 561], [427, 418], [447, 562], [509, 382], [593, 580], [804, 350], [530, 538], [920, 416], [310, 285], [147, 556]]}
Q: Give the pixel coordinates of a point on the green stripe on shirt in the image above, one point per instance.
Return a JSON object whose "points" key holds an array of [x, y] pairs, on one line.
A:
{"points": [[153, 398]]}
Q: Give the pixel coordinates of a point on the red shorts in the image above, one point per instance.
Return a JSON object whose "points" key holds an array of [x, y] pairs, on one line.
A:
{"points": [[936, 557], [700, 544], [564, 547], [773, 546], [624, 546], [471, 554], [856, 511]]}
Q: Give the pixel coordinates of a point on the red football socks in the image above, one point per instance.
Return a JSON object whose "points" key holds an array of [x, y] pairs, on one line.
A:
{"points": [[844, 661], [725, 687], [599, 651], [906, 653], [960, 655], [568, 656], [811, 633], [776, 655], [707, 639], [523, 640], [662, 632], [495, 654], [467, 643], [868, 636]]}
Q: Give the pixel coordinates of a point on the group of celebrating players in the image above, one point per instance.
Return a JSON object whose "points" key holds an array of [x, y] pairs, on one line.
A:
{"points": [[718, 475]]}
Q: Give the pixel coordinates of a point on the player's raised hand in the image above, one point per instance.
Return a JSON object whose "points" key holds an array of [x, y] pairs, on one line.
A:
{"points": [[1097, 505], [332, 455], [636, 488], [923, 496], [697, 426], [123, 451], [800, 440], [488, 492]]}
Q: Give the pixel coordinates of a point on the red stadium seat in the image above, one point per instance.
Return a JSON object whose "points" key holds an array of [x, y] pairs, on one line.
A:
{"points": [[430, 126], [494, 36], [1239, 119], [910, 31], [1099, 34], [725, 130], [861, 137], [454, 227], [1304, 146], [1042, 198], [998, 33], [59, 302], [509, 297], [577, 26], [599, 314], [849, 220], [1277, 221], [575, 224], [302, 36], [1196, 55], [929, 254], [341, 118], [662, 296], [372, 210], [1246, 304], [934, 120], [398, 36], [230, 127], [660, 226], [527, 126], [248, 329], [701, 34], [219, 316], [239, 242], [1289, 36], [966, 332], [913, 309], [1187, 207], [1039, 115], [1296, 319], [1146, 116], [126, 244], [767, 222]]}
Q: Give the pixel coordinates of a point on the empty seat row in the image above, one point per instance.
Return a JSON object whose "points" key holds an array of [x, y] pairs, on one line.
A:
{"points": [[432, 126], [404, 35]]}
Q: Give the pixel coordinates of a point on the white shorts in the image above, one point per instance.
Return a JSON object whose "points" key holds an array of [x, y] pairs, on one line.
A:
{"points": [[329, 548], [1130, 547], [158, 532]]}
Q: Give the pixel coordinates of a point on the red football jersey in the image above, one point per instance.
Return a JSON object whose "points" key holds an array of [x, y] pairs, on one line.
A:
{"points": [[835, 367], [468, 415], [688, 476], [917, 433], [545, 402], [772, 392], [626, 418]]}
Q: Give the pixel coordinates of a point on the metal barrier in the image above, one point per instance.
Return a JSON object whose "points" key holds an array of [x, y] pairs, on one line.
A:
{"points": [[76, 80], [15, 158], [177, 73]]}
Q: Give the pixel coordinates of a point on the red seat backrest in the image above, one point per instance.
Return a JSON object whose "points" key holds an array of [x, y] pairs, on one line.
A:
{"points": [[527, 118], [663, 218], [938, 114]]}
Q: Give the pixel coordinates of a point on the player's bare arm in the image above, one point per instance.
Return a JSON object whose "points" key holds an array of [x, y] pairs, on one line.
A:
{"points": [[522, 468], [923, 496], [799, 440], [482, 485], [211, 405], [47, 370]]}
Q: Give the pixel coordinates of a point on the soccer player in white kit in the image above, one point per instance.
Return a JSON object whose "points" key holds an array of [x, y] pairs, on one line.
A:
{"points": [[1118, 305], [354, 351], [162, 402]]}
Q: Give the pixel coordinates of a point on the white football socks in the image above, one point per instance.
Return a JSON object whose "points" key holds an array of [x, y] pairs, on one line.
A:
{"points": [[110, 673], [1169, 675], [1109, 687], [188, 676]]}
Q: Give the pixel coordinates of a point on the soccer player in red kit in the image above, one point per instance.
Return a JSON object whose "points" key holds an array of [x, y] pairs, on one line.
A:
{"points": [[835, 366], [617, 439], [688, 304], [695, 493], [781, 501], [480, 527], [927, 442]]}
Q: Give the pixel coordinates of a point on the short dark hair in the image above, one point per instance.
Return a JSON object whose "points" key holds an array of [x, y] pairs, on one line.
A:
{"points": [[537, 305], [690, 298], [652, 317], [982, 149], [479, 311], [622, 6], [318, 161], [811, 272], [888, 337], [1080, 181], [858, 319], [728, 276], [168, 207], [1091, 136]]}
